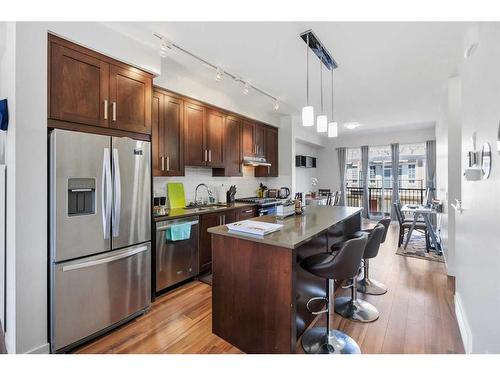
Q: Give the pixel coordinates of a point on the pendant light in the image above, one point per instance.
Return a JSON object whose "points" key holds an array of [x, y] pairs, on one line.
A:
{"points": [[321, 120], [307, 111], [333, 126]]}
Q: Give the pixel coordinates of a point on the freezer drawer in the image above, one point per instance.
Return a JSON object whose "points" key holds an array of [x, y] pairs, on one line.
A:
{"points": [[176, 261], [96, 292]]}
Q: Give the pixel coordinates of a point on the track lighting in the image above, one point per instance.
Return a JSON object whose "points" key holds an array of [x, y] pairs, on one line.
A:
{"points": [[165, 45], [276, 105], [220, 75], [246, 88]]}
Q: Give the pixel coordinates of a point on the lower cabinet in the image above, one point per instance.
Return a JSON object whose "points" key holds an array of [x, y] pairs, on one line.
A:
{"points": [[213, 220]]}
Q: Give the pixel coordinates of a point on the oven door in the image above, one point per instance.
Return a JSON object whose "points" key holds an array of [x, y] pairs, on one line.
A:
{"points": [[268, 210]]}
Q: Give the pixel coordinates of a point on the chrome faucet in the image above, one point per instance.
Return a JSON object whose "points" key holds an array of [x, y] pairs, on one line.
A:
{"points": [[209, 193]]}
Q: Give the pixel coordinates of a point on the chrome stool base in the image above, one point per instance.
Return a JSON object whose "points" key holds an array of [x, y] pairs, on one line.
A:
{"points": [[316, 341], [372, 287], [357, 309]]}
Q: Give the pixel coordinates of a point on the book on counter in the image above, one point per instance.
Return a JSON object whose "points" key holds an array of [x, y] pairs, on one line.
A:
{"points": [[258, 228]]}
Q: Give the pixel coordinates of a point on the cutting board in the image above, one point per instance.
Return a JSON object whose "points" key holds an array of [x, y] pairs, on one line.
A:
{"points": [[175, 194]]}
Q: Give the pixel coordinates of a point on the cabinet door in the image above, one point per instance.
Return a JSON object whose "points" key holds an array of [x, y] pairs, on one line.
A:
{"points": [[230, 217], [232, 146], [271, 155], [260, 140], [248, 138], [157, 127], [130, 97], [195, 152], [214, 135], [173, 136], [205, 247], [78, 88]]}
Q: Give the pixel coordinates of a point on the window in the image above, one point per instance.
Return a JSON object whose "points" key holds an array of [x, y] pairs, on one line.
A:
{"points": [[387, 172], [372, 172], [411, 173]]}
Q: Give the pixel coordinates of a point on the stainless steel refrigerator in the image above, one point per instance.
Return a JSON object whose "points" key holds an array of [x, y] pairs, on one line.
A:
{"points": [[100, 234]]}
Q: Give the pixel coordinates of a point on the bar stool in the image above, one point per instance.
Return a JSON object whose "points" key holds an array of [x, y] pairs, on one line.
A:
{"points": [[365, 284], [352, 307], [344, 265]]}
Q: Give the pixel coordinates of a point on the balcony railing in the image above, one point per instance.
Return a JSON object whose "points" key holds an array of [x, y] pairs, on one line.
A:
{"points": [[380, 199]]}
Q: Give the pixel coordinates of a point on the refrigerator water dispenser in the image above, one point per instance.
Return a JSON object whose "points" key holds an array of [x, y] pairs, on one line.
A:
{"points": [[81, 196]]}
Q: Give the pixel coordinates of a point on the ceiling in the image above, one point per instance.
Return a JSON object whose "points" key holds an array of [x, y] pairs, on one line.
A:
{"points": [[390, 74]]}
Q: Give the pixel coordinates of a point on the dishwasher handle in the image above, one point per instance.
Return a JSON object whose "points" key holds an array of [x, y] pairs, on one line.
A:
{"points": [[165, 227]]}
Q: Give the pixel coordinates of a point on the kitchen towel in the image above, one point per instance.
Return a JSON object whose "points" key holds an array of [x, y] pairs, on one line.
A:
{"points": [[179, 232], [176, 196]]}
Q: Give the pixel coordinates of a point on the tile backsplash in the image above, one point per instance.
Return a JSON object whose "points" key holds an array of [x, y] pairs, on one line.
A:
{"points": [[246, 186]]}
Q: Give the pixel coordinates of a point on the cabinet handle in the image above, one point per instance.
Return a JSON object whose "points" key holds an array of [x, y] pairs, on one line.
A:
{"points": [[248, 211], [105, 109], [206, 152], [114, 111], [268, 169], [168, 163], [223, 219], [163, 163], [210, 155]]}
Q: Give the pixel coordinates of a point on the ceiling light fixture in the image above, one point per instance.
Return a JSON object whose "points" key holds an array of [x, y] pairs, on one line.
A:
{"points": [[333, 127], [167, 44], [308, 110], [321, 120], [219, 76], [351, 125]]}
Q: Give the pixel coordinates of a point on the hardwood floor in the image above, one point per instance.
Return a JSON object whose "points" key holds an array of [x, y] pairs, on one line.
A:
{"points": [[416, 315]]}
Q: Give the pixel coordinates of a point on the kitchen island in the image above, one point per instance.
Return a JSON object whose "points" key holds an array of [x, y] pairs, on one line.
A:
{"points": [[259, 290]]}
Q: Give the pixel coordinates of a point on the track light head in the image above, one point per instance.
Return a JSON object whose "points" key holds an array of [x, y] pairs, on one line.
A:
{"points": [[165, 45], [219, 76], [246, 88], [276, 105]]}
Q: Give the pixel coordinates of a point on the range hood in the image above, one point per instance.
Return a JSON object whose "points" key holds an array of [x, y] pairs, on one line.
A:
{"points": [[255, 161]]}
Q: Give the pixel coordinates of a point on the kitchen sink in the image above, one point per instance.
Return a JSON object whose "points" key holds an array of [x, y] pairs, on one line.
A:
{"points": [[201, 207]]}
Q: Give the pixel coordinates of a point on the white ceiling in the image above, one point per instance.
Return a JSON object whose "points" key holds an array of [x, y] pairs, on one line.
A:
{"points": [[389, 75]]}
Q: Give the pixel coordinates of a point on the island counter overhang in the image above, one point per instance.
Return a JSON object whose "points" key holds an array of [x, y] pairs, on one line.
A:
{"points": [[259, 290]]}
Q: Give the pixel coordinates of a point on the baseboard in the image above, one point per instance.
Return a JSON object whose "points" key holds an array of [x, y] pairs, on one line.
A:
{"points": [[463, 324], [42, 349]]}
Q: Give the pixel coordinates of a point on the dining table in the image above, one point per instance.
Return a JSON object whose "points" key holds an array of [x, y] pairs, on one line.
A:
{"points": [[426, 213]]}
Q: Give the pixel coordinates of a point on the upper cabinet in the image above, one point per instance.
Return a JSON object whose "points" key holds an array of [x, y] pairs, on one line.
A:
{"points": [[271, 147], [253, 139], [195, 152], [167, 135], [214, 138], [87, 88]]}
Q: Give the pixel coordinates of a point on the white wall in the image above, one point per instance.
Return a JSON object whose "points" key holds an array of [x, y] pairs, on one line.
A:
{"points": [[304, 175], [477, 240]]}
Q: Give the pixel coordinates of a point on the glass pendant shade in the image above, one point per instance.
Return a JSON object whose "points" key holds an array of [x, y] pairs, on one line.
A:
{"points": [[308, 116], [322, 123], [333, 129]]}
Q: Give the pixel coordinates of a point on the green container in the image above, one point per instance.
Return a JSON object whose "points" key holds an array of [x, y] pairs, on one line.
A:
{"points": [[175, 194]]}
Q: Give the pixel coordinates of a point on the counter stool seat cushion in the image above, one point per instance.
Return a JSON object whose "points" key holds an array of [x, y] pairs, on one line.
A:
{"points": [[319, 264]]}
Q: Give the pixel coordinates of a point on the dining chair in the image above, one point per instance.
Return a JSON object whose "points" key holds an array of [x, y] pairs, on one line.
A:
{"points": [[405, 224], [336, 202]]}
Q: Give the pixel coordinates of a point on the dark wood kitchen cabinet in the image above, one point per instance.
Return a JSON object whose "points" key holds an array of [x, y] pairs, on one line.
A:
{"points": [[246, 213], [195, 152], [130, 99], [167, 135], [253, 139], [233, 157], [88, 89], [214, 138], [271, 138]]}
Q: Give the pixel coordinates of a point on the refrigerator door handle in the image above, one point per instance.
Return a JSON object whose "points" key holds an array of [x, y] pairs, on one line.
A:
{"points": [[106, 191], [110, 259], [117, 188]]}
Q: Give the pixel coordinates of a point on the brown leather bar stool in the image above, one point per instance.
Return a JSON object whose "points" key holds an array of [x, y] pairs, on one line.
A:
{"points": [[352, 307], [343, 265], [365, 284]]}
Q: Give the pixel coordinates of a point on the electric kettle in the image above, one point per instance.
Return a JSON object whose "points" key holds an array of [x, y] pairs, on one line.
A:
{"points": [[284, 193]]}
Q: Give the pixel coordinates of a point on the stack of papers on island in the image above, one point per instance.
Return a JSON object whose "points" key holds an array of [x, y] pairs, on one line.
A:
{"points": [[257, 228]]}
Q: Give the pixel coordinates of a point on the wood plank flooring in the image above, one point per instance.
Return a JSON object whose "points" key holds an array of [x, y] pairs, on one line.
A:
{"points": [[416, 315]]}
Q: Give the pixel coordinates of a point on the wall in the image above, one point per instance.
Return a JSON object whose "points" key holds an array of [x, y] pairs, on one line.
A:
{"points": [[448, 170], [303, 176], [477, 244], [27, 167]]}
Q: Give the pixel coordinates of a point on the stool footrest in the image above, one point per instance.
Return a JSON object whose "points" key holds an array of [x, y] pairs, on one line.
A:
{"points": [[325, 310]]}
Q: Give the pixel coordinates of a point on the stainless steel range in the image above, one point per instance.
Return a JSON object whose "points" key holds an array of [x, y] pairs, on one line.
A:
{"points": [[265, 206]]}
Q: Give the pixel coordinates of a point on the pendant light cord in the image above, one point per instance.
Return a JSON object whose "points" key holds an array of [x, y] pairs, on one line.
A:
{"points": [[307, 64], [332, 96], [321, 84]]}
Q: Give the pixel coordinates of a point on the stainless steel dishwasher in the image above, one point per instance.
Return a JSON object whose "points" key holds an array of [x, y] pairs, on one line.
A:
{"points": [[176, 261]]}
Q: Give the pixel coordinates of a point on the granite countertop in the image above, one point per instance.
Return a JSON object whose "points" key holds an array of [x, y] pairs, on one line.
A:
{"points": [[174, 213], [297, 229]]}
